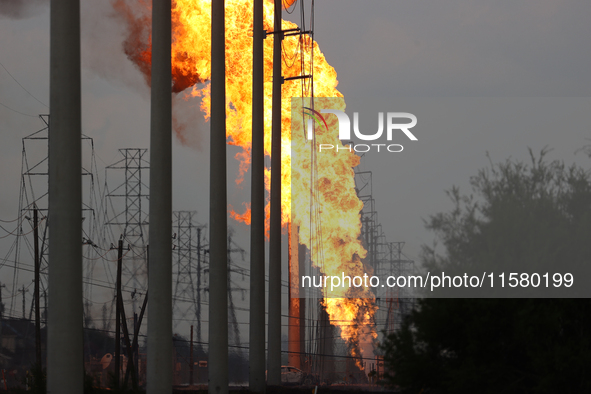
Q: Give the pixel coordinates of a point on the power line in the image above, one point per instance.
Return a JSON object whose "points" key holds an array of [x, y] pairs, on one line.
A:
{"points": [[19, 84], [18, 112]]}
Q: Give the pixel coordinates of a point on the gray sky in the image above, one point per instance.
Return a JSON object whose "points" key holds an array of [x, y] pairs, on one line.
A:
{"points": [[381, 50]]}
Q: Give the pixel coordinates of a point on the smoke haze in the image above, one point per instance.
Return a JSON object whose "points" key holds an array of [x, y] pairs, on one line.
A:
{"points": [[108, 51], [21, 9]]}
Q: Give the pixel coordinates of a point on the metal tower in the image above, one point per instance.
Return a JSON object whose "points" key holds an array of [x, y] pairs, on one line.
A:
{"points": [[33, 193], [234, 336], [188, 259], [28, 235], [386, 258], [399, 301], [232, 285], [126, 214]]}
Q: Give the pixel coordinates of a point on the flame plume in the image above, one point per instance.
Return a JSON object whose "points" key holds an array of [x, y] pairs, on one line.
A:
{"points": [[191, 69]]}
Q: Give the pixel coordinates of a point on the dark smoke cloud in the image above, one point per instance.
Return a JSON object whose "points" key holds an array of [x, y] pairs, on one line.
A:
{"points": [[106, 28], [20, 9]]}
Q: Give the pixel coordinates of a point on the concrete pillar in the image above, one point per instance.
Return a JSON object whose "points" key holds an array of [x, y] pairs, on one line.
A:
{"points": [[304, 361], [274, 344], [294, 325], [326, 345], [118, 306], [159, 368], [218, 220], [65, 370], [38, 358], [257, 225]]}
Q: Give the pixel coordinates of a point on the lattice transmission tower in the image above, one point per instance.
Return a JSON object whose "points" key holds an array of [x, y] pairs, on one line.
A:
{"points": [[385, 258], [33, 196], [189, 257], [399, 301], [126, 214]]}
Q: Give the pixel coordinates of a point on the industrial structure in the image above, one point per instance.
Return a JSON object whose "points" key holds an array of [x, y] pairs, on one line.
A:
{"points": [[125, 212], [125, 252], [108, 212]]}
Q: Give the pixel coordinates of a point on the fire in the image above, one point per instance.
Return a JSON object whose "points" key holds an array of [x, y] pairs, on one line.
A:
{"points": [[245, 217], [191, 69]]}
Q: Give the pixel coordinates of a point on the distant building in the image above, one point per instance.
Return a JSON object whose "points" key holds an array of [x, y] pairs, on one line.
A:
{"points": [[17, 350]]}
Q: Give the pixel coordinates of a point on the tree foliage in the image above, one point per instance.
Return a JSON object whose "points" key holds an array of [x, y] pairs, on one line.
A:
{"points": [[533, 216]]}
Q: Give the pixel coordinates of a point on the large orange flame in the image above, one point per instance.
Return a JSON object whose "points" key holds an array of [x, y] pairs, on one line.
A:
{"points": [[191, 69]]}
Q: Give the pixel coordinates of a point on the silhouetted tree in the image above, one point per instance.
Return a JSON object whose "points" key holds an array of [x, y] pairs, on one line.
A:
{"points": [[536, 217]]}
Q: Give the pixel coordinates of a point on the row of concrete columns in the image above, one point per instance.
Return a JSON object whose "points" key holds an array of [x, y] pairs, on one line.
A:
{"points": [[65, 370], [218, 226], [65, 334], [218, 322], [274, 325], [159, 363], [257, 206]]}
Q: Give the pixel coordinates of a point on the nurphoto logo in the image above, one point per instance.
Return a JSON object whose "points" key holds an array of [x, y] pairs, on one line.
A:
{"points": [[395, 122]]}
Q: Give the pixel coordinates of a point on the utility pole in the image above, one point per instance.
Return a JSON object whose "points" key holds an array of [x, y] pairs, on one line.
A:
{"points": [[134, 348], [294, 329], [45, 306], [199, 285], [121, 321], [218, 220], [274, 345], [1, 315], [326, 344], [233, 321], [128, 348], [118, 315], [134, 345], [23, 290], [184, 272], [65, 335], [191, 359], [36, 290], [257, 227], [159, 371], [132, 195], [301, 273], [199, 340], [1, 303]]}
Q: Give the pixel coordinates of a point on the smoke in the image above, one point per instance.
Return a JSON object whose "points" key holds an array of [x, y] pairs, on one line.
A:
{"points": [[21, 9], [116, 47], [187, 120]]}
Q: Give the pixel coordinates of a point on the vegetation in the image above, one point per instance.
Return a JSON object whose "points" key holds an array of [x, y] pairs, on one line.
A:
{"points": [[533, 216]]}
